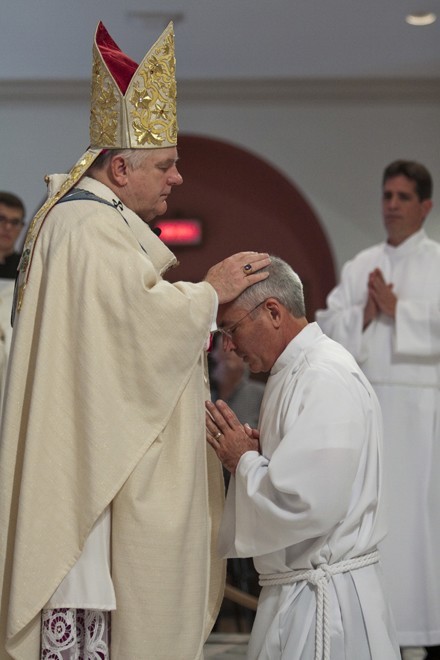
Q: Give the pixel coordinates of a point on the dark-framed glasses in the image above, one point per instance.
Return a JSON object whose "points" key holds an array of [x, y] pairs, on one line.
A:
{"points": [[229, 332], [13, 222]]}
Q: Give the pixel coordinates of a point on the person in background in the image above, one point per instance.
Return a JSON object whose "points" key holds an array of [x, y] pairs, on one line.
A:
{"points": [[386, 311], [110, 501], [6, 300], [230, 382], [305, 494], [12, 214]]}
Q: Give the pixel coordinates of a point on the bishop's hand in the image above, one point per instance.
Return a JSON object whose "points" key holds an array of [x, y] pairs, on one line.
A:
{"points": [[233, 275]]}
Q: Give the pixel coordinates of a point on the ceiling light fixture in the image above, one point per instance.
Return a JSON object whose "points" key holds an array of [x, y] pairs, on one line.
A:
{"points": [[421, 18]]}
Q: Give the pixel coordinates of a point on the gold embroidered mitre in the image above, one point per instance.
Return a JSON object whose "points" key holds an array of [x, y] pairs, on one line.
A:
{"points": [[133, 107]]}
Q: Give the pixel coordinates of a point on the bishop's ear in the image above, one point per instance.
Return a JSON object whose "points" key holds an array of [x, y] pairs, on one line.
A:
{"points": [[119, 170]]}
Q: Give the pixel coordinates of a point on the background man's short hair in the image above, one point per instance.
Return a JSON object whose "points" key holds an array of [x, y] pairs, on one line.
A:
{"points": [[134, 157], [11, 200], [415, 172]]}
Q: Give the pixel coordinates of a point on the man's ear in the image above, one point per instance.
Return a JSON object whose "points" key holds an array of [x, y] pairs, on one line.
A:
{"points": [[427, 206], [273, 306], [119, 170]]}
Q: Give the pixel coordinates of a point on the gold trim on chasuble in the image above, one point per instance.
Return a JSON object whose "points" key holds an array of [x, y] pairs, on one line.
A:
{"points": [[74, 175]]}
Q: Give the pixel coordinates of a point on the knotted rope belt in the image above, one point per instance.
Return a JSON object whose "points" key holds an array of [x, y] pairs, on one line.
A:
{"points": [[320, 577]]}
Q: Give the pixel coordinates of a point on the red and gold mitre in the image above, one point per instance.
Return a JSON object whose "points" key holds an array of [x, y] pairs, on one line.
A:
{"points": [[133, 107]]}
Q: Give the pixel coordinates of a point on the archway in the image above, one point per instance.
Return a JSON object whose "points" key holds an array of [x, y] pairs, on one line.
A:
{"points": [[244, 203]]}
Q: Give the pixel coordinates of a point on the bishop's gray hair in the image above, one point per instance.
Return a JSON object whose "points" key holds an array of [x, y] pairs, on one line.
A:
{"points": [[134, 158], [283, 284]]}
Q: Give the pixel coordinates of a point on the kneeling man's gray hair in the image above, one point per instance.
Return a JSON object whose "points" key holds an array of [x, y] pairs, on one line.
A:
{"points": [[283, 284]]}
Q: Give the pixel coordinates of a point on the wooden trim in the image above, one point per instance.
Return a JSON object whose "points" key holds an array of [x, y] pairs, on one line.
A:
{"points": [[241, 597]]}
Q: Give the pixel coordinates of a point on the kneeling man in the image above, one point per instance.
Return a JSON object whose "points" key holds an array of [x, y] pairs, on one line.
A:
{"points": [[305, 494]]}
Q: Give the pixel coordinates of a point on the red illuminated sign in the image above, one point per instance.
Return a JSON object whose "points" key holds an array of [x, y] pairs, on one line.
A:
{"points": [[180, 231]]}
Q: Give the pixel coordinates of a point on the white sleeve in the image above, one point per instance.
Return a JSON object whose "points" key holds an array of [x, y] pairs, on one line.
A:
{"points": [[343, 318], [214, 313], [304, 490], [417, 328]]}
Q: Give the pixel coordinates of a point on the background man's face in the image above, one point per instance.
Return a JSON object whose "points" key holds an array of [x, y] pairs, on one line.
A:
{"points": [[403, 212], [11, 223]]}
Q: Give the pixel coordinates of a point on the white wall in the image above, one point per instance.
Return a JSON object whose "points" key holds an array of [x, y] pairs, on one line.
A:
{"points": [[333, 149], [334, 152]]}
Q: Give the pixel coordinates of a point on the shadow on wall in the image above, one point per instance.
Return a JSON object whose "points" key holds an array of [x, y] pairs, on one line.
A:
{"points": [[244, 203]]}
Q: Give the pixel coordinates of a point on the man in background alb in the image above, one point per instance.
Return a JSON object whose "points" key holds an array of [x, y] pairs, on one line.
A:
{"points": [[386, 311]]}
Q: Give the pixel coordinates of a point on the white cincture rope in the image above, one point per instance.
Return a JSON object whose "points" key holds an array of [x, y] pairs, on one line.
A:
{"points": [[320, 577]]}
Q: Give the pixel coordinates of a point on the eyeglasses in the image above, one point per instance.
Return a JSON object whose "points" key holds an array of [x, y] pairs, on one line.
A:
{"points": [[14, 222], [228, 332]]}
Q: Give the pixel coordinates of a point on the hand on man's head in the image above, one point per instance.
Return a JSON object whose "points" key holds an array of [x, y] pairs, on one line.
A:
{"points": [[233, 275]]}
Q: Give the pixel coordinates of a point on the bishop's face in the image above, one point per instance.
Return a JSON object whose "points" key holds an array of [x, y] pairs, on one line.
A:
{"points": [[149, 185]]}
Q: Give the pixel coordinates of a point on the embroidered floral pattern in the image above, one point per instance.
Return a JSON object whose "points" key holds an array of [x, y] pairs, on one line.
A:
{"points": [[104, 112], [71, 634], [152, 104], [145, 115]]}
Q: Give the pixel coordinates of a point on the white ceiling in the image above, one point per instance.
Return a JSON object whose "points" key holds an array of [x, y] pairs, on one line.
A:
{"points": [[223, 39]]}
